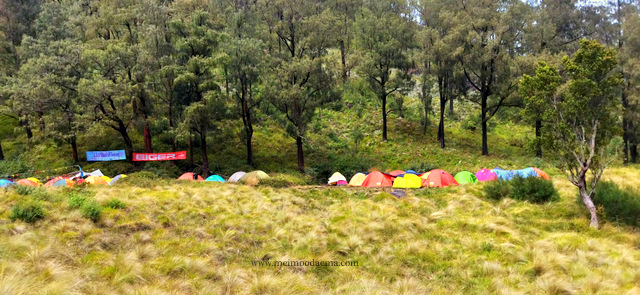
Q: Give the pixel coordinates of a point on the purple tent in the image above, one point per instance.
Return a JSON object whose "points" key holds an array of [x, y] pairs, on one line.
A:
{"points": [[486, 175]]}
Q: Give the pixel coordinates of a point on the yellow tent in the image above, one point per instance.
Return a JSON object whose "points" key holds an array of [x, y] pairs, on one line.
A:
{"points": [[106, 178], [408, 181], [253, 178], [357, 179], [37, 181], [95, 180]]}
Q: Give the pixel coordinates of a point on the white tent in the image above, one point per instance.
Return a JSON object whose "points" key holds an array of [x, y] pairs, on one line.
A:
{"points": [[335, 178], [96, 172], [236, 176]]}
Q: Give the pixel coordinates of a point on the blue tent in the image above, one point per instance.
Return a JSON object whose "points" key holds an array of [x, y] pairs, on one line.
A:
{"points": [[5, 183], [526, 172], [411, 172], [215, 178], [503, 174]]}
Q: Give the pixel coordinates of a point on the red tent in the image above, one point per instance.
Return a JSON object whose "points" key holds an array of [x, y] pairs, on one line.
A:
{"points": [[191, 176], [395, 173], [378, 179], [541, 173], [439, 178]]}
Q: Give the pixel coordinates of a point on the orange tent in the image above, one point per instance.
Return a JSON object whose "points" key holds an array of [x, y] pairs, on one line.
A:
{"points": [[395, 173], [378, 179], [27, 182], [191, 176], [439, 178], [541, 173], [96, 180]]}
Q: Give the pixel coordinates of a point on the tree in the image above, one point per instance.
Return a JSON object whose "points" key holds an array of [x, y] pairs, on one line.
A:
{"points": [[244, 66], [492, 33], [582, 114], [298, 81], [630, 67], [383, 35]]}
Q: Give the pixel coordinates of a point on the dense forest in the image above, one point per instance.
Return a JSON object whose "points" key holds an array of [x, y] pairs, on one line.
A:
{"points": [[174, 72]]}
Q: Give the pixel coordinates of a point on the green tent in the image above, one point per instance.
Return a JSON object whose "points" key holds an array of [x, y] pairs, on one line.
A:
{"points": [[465, 177]]}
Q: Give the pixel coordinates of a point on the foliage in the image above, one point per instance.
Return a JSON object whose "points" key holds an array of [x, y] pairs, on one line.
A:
{"points": [[28, 211], [114, 203], [76, 200], [532, 189], [285, 180], [621, 204], [91, 210]]}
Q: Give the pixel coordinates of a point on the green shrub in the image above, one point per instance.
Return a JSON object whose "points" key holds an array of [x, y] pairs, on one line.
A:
{"points": [[76, 200], [285, 180], [533, 189], [115, 204], [140, 179], [14, 166], [497, 190], [92, 210], [620, 204], [25, 190], [29, 211]]}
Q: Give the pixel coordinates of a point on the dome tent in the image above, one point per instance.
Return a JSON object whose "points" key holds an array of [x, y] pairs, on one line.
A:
{"points": [[5, 182], [439, 178], [465, 177], [357, 179], [254, 177], [215, 178], [408, 181], [335, 178], [191, 177], [378, 179], [541, 173], [96, 180], [486, 175], [235, 177]]}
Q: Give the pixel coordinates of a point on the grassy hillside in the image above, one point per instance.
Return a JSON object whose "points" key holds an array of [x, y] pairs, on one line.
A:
{"points": [[193, 238]]}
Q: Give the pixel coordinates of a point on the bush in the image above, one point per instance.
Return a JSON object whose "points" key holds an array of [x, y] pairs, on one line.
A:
{"points": [[620, 204], [497, 190], [533, 189], [24, 190], [14, 166], [140, 179], [29, 211], [115, 204], [76, 200], [92, 210], [285, 180]]}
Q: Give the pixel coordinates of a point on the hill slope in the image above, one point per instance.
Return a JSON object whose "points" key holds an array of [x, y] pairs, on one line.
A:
{"points": [[193, 238]]}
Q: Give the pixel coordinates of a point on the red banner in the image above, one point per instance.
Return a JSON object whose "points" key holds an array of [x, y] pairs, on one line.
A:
{"points": [[160, 157]]}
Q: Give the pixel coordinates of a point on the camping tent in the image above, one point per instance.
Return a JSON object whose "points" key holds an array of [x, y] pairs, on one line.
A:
{"points": [[408, 181], [106, 178], [411, 172], [60, 181], [333, 180], [96, 180], [397, 173], [486, 175], [253, 177], [96, 172], [342, 182], [191, 176], [357, 179], [503, 174], [465, 177], [378, 179], [236, 176], [526, 172], [215, 178], [439, 178], [5, 182], [116, 178], [27, 182], [35, 180], [541, 173], [424, 177]]}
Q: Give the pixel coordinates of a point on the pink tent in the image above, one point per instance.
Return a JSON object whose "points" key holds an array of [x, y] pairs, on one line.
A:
{"points": [[486, 175]]}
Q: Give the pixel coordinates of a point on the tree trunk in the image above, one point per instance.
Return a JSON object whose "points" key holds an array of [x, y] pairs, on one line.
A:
{"points": [[443, 102], [1, 152], [300, 154], [74, 148], [586, 199], [206, 171], [248, 124], [626, 131], [343, 57], [173, 138], [41, 121], [633, 150], [485, 145], [27, 128], [127, 140], [450, 106], [191, 162], [148, 148], [538, 138], [384, 115]]}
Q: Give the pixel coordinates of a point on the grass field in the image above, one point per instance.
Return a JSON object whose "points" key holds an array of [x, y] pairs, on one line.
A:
{"points": [[195, 238]]}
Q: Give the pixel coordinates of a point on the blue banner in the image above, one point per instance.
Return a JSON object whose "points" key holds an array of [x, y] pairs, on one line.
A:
{"points": [[106, 156]]}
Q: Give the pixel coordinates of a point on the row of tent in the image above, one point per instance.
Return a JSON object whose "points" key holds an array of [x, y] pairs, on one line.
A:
{"points": [[240, 176], [95, 177], [433, 178]]}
